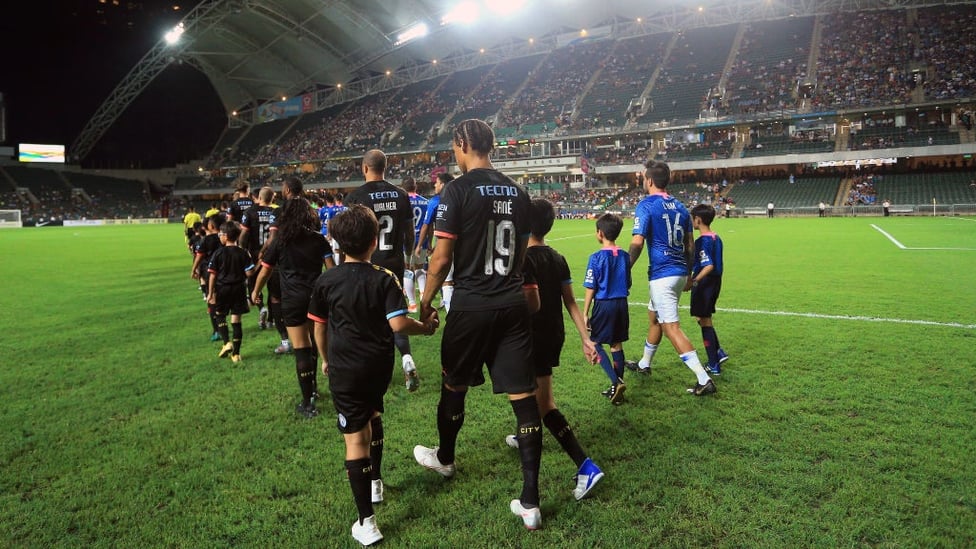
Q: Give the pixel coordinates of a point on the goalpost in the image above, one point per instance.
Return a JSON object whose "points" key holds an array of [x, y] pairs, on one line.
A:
{"points": [[10, 219]]}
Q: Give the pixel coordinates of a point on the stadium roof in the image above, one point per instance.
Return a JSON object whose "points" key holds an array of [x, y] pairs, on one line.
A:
{"points": [[255, 51]]}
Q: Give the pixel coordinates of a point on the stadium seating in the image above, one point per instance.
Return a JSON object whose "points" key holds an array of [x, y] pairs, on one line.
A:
{"points": [[948, 45], [922, 188], [806, 192], [693, 68], [770, 61], [623, 76]]}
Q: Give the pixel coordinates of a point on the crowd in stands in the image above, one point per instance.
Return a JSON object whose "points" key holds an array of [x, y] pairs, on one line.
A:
{"points": [[947, 43], [862, 190], [863, 59], [61, 205], [551, 91], [772, 59]]}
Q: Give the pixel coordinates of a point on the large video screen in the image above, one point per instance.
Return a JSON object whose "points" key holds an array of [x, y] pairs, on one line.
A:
{"points": [[30, 152]]}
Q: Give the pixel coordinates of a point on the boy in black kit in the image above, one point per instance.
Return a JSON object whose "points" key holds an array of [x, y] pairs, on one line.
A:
{"points": [[229, 268], [549, 270], [202, 253], [357, 307]]}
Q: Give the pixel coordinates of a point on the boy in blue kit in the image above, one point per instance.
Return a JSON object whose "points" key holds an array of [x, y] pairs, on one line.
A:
{"points": [[356, 307], [607, 286], [705, 283]]}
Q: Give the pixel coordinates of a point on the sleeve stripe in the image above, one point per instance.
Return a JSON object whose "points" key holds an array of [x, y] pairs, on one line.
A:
{"points": [[318, 319], [396, 313], [263, 264], [442, 234]]}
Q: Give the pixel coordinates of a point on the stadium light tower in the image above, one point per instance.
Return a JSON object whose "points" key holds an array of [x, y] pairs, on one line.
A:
{"points": [[174, 34]]}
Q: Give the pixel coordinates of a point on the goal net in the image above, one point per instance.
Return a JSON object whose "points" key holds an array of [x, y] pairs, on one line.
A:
{"points": [[10, 219]]}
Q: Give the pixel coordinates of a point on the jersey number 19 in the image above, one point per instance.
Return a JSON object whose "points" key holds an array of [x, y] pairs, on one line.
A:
{"points": [[500, 239]]}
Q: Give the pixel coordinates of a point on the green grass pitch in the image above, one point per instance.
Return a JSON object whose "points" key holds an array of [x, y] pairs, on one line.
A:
{"points": [[844, 418]]}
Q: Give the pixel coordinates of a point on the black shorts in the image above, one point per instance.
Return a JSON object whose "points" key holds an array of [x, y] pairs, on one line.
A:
{"points": [[294, 308], [704, 296], [274, 285], [357, 392], [500, 339], [231, 300], [546, 349], [610, 321]]}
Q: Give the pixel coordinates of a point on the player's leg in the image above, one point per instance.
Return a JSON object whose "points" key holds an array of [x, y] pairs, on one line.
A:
{"points": [[237, 336], [588, 474], [671, 326], [305, 363], [420, 275], [447, 290], [359, 469], [274, 305], [411, 378], [511, 370], [409, 290], [701, 308], [462, 354]]}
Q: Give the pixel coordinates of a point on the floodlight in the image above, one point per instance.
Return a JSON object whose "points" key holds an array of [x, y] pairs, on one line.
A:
{"points": [[465, 12], [173, 36], [417, 31]]}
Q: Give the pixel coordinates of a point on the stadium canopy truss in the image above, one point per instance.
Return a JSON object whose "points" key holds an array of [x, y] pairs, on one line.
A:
{"points": [[256, 51]]}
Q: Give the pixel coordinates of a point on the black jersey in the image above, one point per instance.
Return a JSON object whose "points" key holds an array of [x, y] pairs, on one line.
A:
{"points": [[299, 262], [488, 216], [238, 207], [231, 264], [393, 211], [257, 220], [357, 300], [206, 248], [550, 271]]}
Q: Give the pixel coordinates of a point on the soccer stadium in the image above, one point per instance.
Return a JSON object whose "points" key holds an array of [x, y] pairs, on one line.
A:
{"points": [[833, 139]]}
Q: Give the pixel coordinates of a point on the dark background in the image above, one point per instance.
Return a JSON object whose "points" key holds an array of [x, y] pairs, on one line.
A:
{"points": [[60, 61]]}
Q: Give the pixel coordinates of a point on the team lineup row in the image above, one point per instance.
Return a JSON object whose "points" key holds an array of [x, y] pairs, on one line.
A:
{"points": [[509, 290]]}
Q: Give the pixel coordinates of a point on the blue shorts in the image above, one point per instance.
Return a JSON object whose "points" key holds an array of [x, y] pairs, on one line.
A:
{"points": [[610, 321]]}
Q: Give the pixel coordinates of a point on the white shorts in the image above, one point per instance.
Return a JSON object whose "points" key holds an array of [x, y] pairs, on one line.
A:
{"points": [[450, 275], [414, 261], [664, 297]]}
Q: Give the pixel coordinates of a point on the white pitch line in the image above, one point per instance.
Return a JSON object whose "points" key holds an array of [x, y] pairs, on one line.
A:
{"points": [[891, 238], [903, 247], [829, 317]]}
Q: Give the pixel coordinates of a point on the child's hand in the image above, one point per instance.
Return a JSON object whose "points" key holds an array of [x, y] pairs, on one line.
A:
{"points": [[325, 367], [689, 284], [212, 299]]}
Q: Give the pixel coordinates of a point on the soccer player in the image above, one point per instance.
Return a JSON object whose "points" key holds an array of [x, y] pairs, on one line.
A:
{"points": [[705, 283], [298, 250], [607, 286], [189, 220], [357, 307], [255, 231], [483, 226], [415, 262], [229, 269], [549, 270], [424, 240], [391, 205], [241, 201], [664, 224], [201, 260]]}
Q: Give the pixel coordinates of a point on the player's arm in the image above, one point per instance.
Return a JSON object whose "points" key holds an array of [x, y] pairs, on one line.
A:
{"points": [[260, 281], [321, 329], [531, 292], [569, 301], [689, 251], [403, 324], [437, 270], [587, 302], [636, 247], [422, 239], [194, 273], [211, 294]]}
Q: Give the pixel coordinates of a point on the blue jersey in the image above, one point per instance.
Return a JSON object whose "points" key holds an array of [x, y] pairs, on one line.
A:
{"points": [[431, 209], [608, 274], [324, 219], [708, 251], [418, 205], [663, 221]]}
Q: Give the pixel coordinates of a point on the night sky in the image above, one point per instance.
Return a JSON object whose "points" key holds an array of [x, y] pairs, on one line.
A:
{"points": [[62, 59]]}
